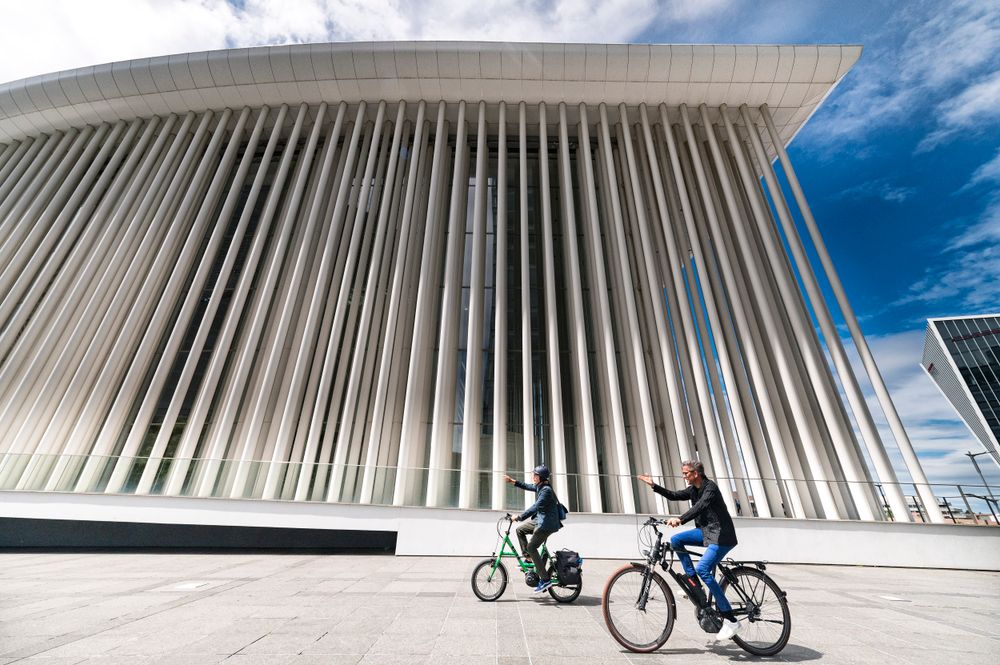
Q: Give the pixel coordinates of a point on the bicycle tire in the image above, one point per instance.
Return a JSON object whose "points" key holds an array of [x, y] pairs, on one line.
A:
{"points": [[769, 600], [489, 590], [568, 593], [622, 589]]}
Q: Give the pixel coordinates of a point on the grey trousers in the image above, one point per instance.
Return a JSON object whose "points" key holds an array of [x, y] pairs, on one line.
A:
{"points": [[531, 547]]}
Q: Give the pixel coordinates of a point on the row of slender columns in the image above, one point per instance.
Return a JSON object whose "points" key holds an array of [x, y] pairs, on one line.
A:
{"points": [[279, 316]]}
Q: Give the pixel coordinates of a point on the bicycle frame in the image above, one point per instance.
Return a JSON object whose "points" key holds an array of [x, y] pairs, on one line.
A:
{"points": [[658, 555], [508, 550]]}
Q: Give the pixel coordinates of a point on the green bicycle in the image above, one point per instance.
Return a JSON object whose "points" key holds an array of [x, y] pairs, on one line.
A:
{"points": [[489, 578]]}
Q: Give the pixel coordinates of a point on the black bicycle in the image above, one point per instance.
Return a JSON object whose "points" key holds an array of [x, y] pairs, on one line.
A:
{"points": [[639, 607]]}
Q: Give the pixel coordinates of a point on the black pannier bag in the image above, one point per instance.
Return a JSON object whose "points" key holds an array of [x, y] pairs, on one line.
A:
{"points": [[568, 567]]}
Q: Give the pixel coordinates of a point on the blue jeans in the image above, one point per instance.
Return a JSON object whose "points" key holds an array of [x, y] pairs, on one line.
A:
{"points": [[706, 566]]}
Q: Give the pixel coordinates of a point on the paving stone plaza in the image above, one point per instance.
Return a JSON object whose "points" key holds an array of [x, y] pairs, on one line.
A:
{"points": [[195, 609]]}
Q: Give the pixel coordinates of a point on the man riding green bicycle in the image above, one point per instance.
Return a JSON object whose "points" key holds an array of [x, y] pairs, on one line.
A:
{"points": [[540, 521]]}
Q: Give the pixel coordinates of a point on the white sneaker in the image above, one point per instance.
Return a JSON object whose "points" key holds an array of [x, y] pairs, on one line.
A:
{"points": [[728, 630]]}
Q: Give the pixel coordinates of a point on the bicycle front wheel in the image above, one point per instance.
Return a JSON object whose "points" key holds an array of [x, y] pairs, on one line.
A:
{"points": [[645, 629], [767, 623], [489, 584]]}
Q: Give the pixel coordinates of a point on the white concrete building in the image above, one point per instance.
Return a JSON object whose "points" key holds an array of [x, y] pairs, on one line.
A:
{"points": [[392, 272]]}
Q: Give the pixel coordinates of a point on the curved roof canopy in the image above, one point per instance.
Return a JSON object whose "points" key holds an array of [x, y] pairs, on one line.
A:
{"points": [[792, 80]]}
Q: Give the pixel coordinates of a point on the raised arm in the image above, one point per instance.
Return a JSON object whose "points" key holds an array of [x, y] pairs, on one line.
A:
{"points": [[682, 495], [517, 483]]}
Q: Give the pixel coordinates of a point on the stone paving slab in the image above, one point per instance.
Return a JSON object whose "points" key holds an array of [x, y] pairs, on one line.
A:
{"points": [[201, 609]]}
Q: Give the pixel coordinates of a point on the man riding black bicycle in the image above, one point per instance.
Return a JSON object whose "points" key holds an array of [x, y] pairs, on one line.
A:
{"points": [[714, 530], [545, 510]]}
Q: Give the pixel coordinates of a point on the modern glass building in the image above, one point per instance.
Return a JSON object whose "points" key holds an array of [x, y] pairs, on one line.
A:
{"points": [[392, 272], [962, 356]]}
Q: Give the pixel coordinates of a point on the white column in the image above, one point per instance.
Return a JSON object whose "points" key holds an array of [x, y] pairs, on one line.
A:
{"points": [[233, 395], [558, 444], [48, 247], [375, 441], [635, 346], [155, 266], [664, 421], [369, 336], [32, 356], [156, 328], [527, 390], [348, 420], [722, 412], [677, 406], [687, 328], [56, 408], [206, 392], [442, 426], [29, 224], [739, 313], [11, 154], [468, 488], [296, 260], [499, 465], [592, 235], [276, 470], [771, 328], [20, 163], [74, 247], [27, 182], [337, 239], [874, 446], [398, 368], [411, 435], [801, 328], [586, 441]]}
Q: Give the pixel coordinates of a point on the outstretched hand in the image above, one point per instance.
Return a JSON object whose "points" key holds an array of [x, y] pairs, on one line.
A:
{"points": [[646, 479], [509, 479]]}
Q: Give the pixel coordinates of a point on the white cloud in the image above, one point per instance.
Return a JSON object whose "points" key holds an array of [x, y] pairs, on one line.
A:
{"points": [[946, 69], [52, 35], [976, 104], [880, 188], [985, 231], [967, 280], [986, 173]]}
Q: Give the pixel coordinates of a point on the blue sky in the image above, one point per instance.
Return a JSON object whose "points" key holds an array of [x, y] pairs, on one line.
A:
{"points": [[901, 164]]}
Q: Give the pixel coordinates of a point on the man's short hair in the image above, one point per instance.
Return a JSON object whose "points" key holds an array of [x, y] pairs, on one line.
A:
{"points": [[696, 465]]}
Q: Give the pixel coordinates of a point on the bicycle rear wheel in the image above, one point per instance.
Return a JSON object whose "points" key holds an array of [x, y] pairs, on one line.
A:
{"points": [[767, 623], [488, 584], [639, 630], [566, 593]]}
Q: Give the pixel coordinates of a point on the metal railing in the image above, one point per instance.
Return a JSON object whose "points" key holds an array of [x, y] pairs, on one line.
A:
{"points": [[377, 485]]}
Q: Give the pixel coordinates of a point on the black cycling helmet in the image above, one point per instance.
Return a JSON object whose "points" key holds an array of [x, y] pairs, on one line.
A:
{"points": [[541, 471]]}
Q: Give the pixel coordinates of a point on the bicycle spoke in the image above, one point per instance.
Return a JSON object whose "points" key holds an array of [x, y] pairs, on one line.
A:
{"points": [[765, 616]]}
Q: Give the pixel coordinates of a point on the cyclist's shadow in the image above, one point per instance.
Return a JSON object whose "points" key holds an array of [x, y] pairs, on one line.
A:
{"points": [[792, 653]]}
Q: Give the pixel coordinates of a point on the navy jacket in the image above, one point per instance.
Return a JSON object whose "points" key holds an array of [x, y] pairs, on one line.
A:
{"points": [[708, 510], [546, 507]]}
